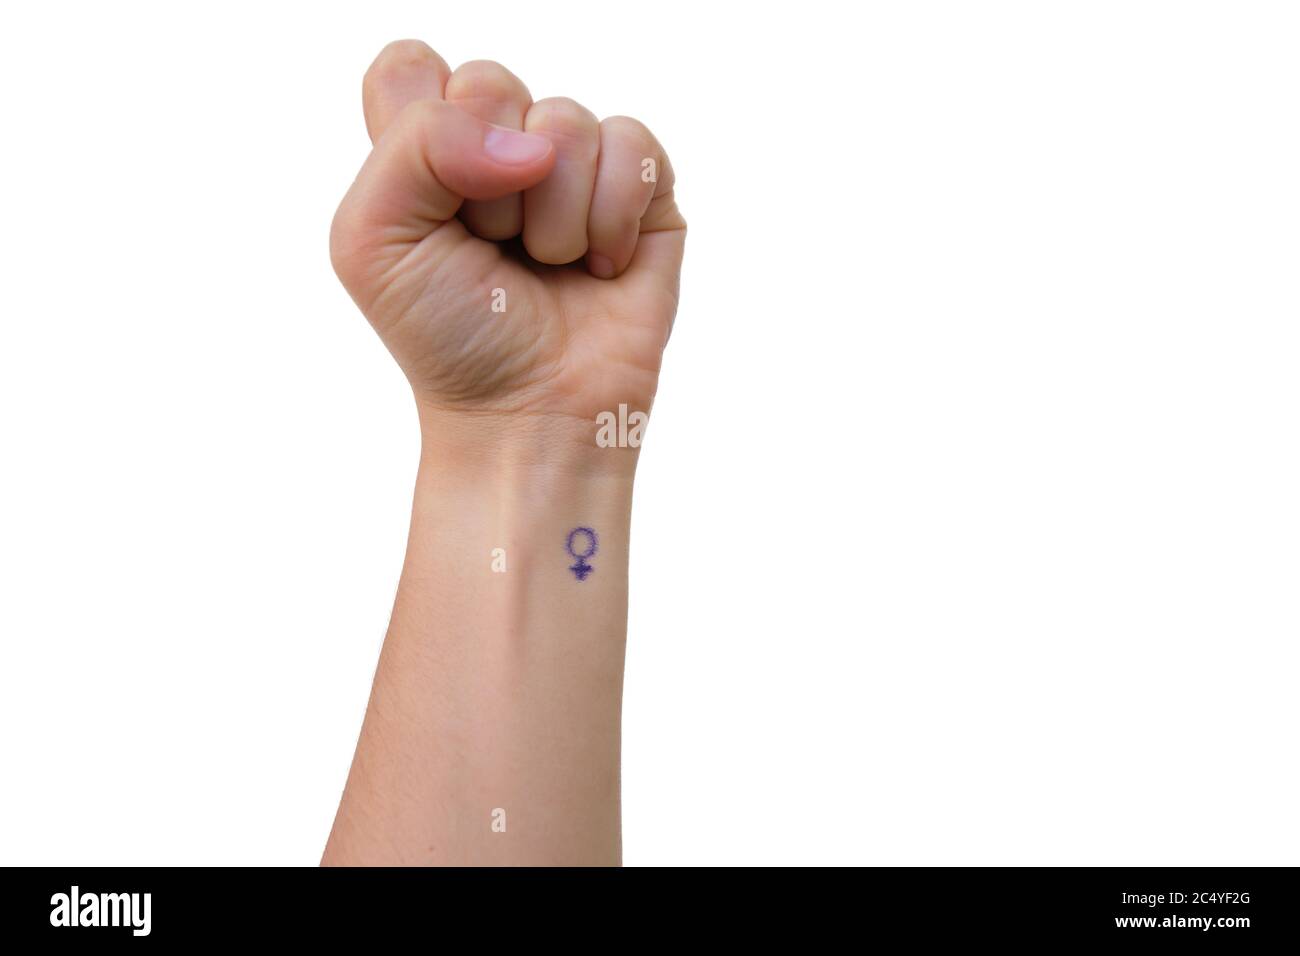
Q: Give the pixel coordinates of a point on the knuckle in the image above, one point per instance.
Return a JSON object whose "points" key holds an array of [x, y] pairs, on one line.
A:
{"points": [[484, 79], [399, 56], [562, 115], [634, 138], [626, 127]]}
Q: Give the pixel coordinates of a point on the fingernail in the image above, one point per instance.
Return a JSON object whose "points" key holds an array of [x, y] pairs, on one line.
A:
{"points": [[601, 267], [514, 148]]}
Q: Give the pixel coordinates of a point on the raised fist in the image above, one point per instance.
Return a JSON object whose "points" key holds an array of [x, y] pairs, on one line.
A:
{"points": [[518, 258]]}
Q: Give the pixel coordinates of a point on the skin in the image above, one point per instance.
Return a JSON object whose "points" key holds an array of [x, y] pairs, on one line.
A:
{"points": [[498, 695]]}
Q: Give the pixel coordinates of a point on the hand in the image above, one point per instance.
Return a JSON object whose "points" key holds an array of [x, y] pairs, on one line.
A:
{"points": [[532, 275]]}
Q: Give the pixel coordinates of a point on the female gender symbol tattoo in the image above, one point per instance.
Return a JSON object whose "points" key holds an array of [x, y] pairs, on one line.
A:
{"points": [[582, 568]]}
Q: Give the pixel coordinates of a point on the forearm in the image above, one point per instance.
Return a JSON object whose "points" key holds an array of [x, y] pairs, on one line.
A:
{"points": [[498, 693]]}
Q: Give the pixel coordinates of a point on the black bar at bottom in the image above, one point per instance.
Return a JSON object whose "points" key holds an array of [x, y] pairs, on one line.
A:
{"points": [[1223, 907]]}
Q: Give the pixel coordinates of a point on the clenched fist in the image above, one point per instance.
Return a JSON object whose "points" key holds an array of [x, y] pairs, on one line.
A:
{"points": [[518, 258]]}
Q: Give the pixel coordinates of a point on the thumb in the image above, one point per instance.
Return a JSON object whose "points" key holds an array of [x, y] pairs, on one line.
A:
{"points": [[430, 159]]}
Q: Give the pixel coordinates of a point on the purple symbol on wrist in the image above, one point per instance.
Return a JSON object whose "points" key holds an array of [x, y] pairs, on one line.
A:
{"points": [[582, 568]]}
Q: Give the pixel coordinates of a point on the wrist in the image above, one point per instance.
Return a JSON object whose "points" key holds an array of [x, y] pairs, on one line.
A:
{"points": [[525, 524], [505, 448], [514, 510]]}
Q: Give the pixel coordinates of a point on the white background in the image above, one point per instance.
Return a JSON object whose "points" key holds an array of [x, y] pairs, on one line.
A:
{"points": [[967, 525]]}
